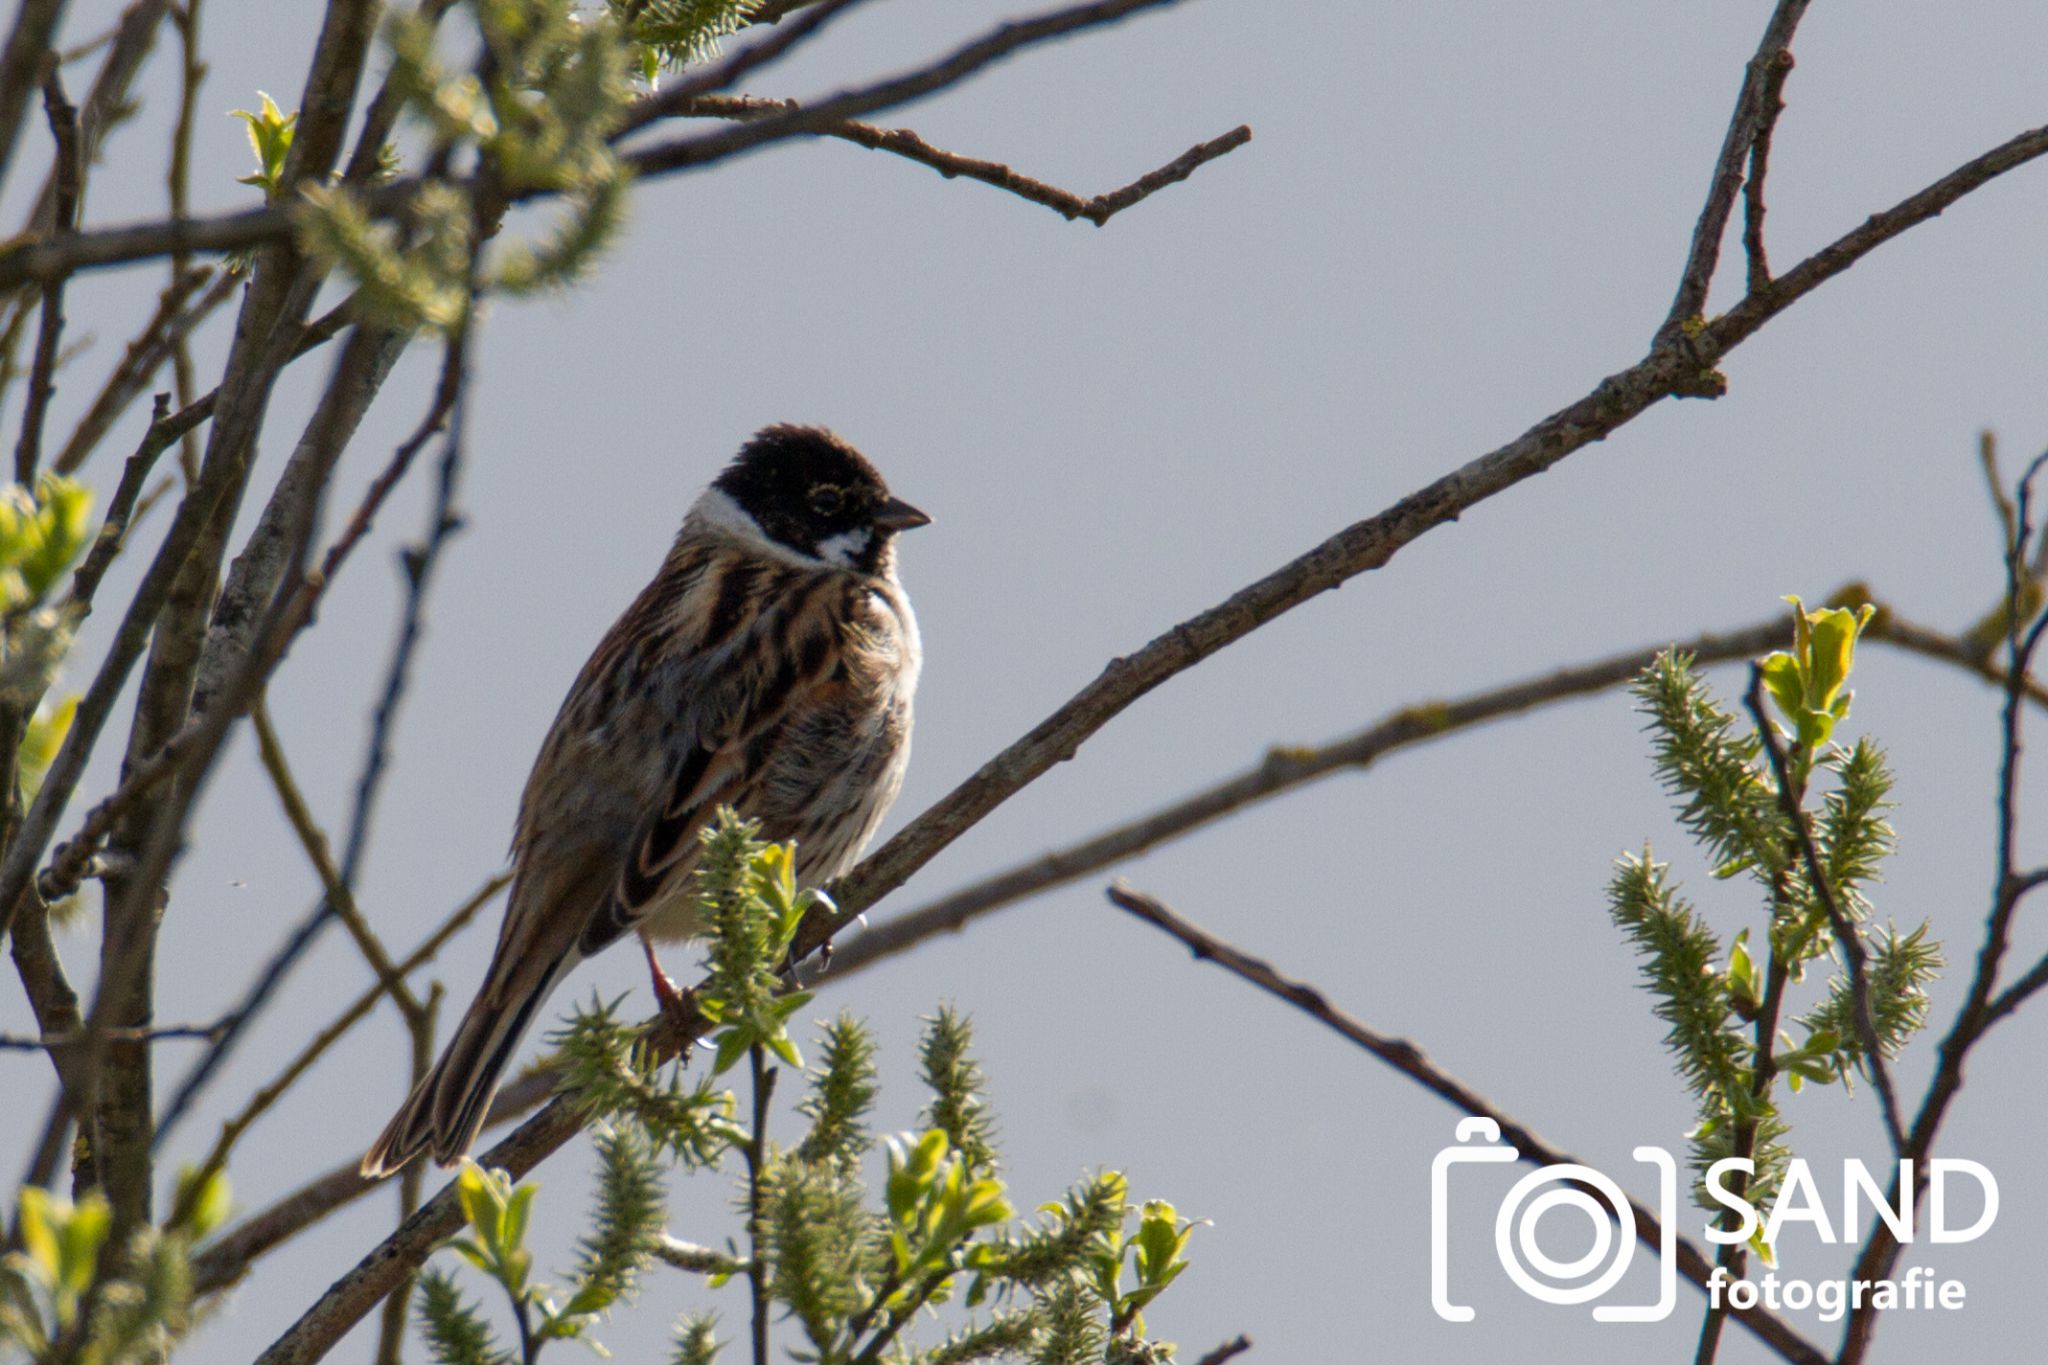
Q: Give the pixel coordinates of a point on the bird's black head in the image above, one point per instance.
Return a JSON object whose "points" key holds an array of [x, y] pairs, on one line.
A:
{"points": [[810, 491]]}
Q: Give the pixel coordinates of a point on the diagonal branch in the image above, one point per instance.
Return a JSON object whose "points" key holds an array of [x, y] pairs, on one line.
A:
{"points": [[268, 1095], [313, 840], [1749, 121], [1411, 1062], [1670, 368], [1358, 548], [1287, 768]]}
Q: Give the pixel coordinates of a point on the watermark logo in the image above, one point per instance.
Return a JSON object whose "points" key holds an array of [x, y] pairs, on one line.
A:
{"points": [[1514, 1229], [1600, 1200]]}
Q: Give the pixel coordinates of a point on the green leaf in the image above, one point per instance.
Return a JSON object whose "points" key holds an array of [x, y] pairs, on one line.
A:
{"points": [[270, 132], [38, 1227], [209, 1205]]}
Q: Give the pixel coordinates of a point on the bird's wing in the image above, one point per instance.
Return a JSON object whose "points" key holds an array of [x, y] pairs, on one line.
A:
{"points": [[782, 668]]}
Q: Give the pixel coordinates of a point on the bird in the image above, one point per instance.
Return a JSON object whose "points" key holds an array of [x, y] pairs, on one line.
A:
{"points": [[770, 666]]}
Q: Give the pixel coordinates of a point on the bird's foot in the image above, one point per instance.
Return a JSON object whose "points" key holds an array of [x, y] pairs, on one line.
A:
{"points": [[678, 1004]]}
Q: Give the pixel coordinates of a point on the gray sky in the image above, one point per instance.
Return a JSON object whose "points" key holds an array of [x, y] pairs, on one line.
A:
{"points": [[1452, 221]]}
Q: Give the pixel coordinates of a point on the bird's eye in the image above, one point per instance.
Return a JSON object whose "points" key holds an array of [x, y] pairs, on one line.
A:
{"points": [[826, 499]]}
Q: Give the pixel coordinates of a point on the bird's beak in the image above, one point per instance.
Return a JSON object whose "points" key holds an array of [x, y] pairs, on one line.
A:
{"points": [[898, 515]]}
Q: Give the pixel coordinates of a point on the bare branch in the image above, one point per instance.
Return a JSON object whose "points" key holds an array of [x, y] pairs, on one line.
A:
{"points": [[229, 1256], [1286, 768], [260, 1103], [313, 840], [2024, 627], [1229, 1350], [1747, 123], [159, 341], [41, 258], [21, 63], [68, 176], [1773, 97], [818, 117], [904, 142], [107, 102], [204, 1032], [1406, 1058]]}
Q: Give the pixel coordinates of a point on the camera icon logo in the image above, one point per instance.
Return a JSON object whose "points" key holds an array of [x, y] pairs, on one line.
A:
{"points": [[1540, 1276]]}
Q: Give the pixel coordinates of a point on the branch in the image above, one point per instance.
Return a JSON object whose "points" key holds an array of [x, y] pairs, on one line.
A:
{"points": [[1358, 548], [228, 1257], [1980, 1009], [20, 64], [1409, 1060], [1286, 768], [69, 180], [1773, 97], [335, 887], [158, 342], [225, 1268], [1229, 1350], [1847, 934], [14, 1043], [1670, 368], [722, 74], [107, 102], [906, 143], [998, 43], [1750, 122], [44, 257]]}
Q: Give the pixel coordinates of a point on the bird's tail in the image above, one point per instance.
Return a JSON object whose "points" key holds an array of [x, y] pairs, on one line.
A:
{"points": [[446, 1110]]}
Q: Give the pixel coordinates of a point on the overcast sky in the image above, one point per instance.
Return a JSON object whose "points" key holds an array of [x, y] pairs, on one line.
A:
{"points": [[1453, 220]]}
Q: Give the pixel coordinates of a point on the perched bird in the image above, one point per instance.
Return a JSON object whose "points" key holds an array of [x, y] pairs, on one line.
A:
{"points": [[769, 666]]}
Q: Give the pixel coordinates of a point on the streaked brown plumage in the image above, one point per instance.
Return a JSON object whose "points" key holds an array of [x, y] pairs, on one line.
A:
{"points": [[769, 666]]}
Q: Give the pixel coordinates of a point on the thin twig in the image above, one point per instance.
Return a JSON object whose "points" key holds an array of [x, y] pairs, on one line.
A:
{"points": [[161, 340], [14, 1043], [1408, 1059], [723, 74], [40, 257], [1229, 1350], [1773, 97], [42, 375], [358, 1010], [229, 1256], [251, 584], [109, 100], [2024, 626], [313, 841], [1847, 934], [906, 143], [178, 185], [1285, 768]]}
